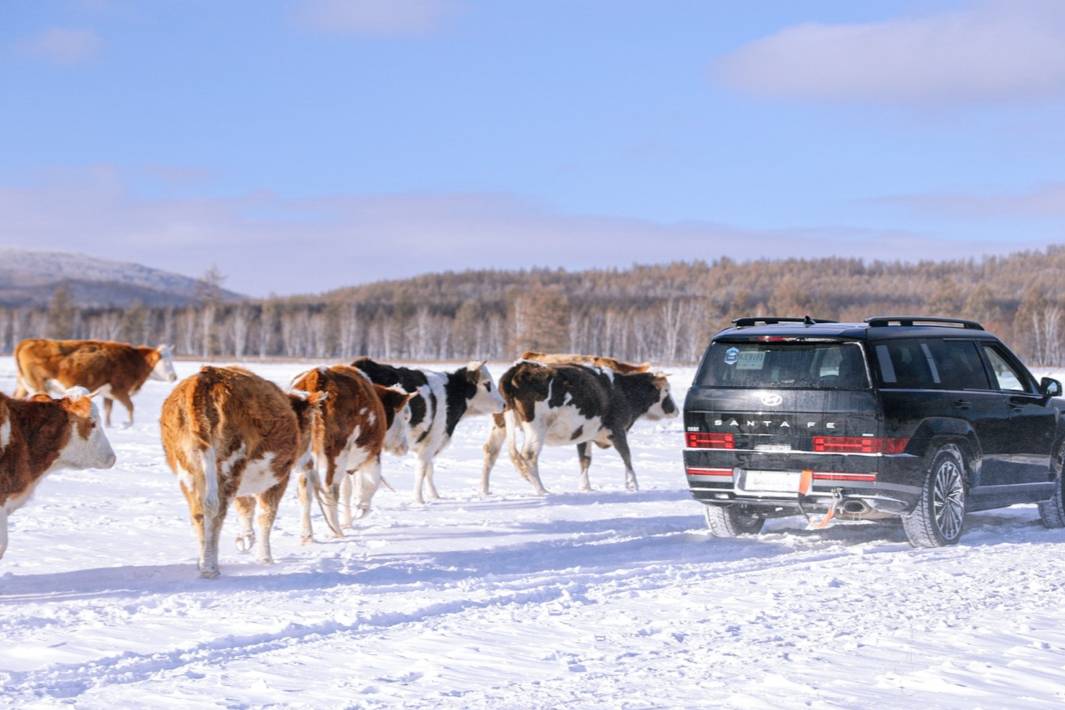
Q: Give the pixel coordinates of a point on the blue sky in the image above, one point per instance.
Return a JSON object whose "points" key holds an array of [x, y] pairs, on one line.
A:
{"points": [[311, 144]]}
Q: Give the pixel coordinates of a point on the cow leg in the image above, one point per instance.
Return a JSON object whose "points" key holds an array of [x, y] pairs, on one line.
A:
{"points": [[195, 503], [306, 531], [421, 470], [108, 404], [345, 494], [214, 512], [245, 506], [584, 454], [268, 504], [212, 530], [491, 449], [330, 499], [3, 532], [621, 443], [127, 403], [534, 443], [433, 495]]}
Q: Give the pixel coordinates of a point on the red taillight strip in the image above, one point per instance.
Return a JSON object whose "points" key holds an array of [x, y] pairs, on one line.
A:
{"points": [[711, 472], [710, 440], [860, 477], [859, 444]]}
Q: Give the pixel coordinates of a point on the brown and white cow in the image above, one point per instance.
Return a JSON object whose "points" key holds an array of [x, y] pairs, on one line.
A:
{"points": [[558, 405], [41, 435], [114, 370], [500, 432], [356, 421], [230, 435]]}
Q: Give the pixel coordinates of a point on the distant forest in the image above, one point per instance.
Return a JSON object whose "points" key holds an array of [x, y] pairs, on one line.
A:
{"points": [[663, 313]]}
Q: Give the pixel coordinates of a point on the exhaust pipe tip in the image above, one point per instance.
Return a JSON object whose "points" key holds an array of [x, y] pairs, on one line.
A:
{"points": [[855, 507]]}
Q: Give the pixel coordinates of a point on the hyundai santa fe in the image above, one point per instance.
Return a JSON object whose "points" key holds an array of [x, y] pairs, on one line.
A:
{"points": [[916, 418]]}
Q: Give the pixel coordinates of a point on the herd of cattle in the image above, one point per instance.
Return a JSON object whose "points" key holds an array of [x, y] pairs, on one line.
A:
{"points": [[231, 436]]}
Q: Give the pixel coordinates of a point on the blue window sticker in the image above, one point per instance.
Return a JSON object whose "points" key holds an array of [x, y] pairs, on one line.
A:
{"points": [[731, 356]]}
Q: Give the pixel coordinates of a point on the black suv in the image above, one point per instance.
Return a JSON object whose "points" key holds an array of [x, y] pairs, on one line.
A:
{"points": [[918, 418]]}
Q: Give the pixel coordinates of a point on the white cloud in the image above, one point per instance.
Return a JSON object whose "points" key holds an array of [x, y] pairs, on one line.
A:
{"points": [[1044, 201], [63, 45], [992, 50], [374, 17], [267, 242]]}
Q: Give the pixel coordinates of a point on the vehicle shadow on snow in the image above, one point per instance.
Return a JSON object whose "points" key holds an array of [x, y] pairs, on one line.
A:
{"points": [[594, 497]]}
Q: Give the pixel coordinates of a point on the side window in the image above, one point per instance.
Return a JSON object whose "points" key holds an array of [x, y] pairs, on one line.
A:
{"points": [[907, 364], [1007, 378], [959, 364]]}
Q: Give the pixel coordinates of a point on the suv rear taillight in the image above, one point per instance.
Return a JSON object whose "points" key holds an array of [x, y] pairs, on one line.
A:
{"points": [[859, 444], [710, 440]]}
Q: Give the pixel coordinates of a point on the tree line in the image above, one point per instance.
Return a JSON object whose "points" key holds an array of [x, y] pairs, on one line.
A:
{"points": [[661, 313]]}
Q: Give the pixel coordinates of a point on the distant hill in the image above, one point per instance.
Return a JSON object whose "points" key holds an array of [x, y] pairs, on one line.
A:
{"points": [[29, 278]]}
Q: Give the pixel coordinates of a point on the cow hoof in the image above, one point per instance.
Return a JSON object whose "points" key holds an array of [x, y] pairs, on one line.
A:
{"points": [[245, 542], [266, 560], [209, 573], [307, 540]]}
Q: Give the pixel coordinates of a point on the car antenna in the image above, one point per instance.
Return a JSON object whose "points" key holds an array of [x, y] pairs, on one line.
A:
{"points": [[807, 320]]}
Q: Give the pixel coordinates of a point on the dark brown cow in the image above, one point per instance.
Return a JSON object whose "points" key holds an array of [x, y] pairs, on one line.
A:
{"points": [[41, 435], [114, 370], [347, 442], [230, 435], [575, 359]]}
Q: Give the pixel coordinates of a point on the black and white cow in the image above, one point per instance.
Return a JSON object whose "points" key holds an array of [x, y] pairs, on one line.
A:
{"points": [[559, 405], [441, 400]]}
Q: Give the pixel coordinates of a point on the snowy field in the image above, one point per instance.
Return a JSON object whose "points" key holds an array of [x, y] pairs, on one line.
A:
{"points": [[605, 599]]}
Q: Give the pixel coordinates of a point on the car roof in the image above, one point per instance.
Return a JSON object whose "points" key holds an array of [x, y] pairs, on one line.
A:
{"points": [[851, 331]]}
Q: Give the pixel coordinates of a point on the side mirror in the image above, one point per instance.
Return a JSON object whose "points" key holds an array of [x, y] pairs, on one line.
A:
{"points": [[1050, 387]]}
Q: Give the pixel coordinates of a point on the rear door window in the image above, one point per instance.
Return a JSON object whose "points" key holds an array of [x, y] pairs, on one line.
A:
{"points": [[932, 364], [908, 364], [959, 365], [794, 365]]}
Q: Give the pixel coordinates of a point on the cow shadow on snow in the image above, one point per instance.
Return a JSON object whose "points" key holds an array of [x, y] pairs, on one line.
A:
{"points": [[598, 547]]}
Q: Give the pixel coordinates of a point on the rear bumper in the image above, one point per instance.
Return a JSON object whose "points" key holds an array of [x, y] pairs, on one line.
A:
{"points": [[885, 483]]}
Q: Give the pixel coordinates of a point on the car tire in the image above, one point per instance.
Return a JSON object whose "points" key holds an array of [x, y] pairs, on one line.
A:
{"points": [[733, 520], [1052, 512], [939, 517]]}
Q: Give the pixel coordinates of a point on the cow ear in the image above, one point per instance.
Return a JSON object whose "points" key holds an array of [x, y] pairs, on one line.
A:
{"points": [[80, 406], [474, 368]]}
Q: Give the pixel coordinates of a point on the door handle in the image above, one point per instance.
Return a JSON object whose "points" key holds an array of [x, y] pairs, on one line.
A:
{"points": [[961, 404]]}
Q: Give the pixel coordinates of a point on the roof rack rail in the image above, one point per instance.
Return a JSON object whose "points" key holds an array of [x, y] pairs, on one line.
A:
{"points": [[773, 320], [882, 321]]}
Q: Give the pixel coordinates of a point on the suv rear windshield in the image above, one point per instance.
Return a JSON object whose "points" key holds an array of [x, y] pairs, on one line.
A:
{"points": [[798, 365]]}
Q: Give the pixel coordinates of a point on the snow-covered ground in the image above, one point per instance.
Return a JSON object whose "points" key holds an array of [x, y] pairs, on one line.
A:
{"points": [[604, 599]]}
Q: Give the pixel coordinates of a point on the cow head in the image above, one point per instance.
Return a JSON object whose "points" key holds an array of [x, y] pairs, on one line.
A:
{"points": [[87, 446], [163, 368], [664, 406], [397, 412], [485, 397]]}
